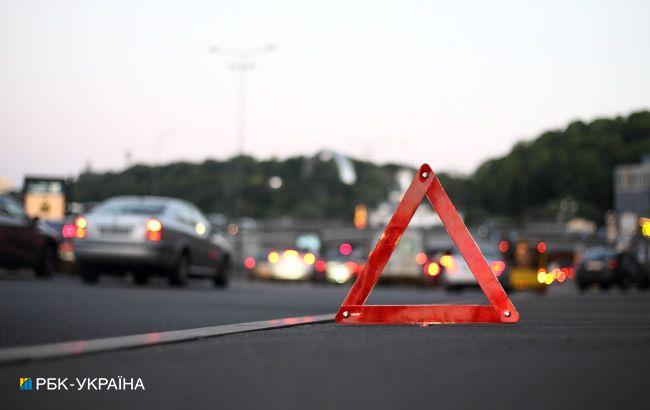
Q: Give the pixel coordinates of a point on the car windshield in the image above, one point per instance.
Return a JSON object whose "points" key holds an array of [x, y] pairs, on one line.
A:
{"points": [[130, 207], [11, 207]]}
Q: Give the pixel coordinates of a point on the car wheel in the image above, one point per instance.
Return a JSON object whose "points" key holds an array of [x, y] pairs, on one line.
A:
{"points": [[89, 274], [221, 274], [47, 265], [582, 286], [624, 283], [180, 272], [140, 278], [605, 286]]}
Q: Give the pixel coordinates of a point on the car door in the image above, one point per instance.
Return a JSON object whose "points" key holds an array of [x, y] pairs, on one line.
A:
{"points": [[19, 239], [188, 230], [202, 230]]}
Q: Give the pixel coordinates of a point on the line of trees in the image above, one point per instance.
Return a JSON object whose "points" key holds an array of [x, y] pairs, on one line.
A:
{"points": [[534, 180], [212, 185]]}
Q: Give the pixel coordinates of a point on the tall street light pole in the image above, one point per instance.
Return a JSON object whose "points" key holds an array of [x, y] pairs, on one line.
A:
{"points": [[241, 64]]}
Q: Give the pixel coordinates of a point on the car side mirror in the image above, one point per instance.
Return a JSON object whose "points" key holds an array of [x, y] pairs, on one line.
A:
{"points": [[33, 221]]}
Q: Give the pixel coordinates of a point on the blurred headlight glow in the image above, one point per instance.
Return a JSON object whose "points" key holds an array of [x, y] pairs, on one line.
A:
{"points": [[290, 253], [338, 272], [274, 257], [309, 258]]}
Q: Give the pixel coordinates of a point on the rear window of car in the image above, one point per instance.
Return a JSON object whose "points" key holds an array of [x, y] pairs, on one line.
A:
{"points": [[599, 254], [129, 208]]}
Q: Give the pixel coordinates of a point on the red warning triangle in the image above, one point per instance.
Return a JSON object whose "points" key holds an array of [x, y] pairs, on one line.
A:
{"points": [[353, 310]]}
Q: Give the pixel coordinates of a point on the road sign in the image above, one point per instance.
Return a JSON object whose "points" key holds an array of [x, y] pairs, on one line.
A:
{"points": [[354, 311]]}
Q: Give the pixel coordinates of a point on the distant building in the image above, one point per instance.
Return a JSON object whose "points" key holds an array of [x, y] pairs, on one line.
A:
{"points": [[6, 185], [632, 188], [631, 202]]}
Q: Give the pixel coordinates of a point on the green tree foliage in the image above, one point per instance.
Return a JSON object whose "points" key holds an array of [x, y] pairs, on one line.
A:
{"points": [[213, 187], [577, 163]]}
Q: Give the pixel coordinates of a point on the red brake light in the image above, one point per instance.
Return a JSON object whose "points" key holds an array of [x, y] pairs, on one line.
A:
{"points": [[154, 230], [249, 262], [345, 249], [69, 231], [613, 264], [320, 265]]}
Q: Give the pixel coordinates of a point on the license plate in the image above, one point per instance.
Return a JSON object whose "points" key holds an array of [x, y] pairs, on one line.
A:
{"points": [[594, 265], [115, 230]]}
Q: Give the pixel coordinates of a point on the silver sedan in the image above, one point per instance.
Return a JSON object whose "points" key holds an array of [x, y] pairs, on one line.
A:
{"points": [[148, 235]]}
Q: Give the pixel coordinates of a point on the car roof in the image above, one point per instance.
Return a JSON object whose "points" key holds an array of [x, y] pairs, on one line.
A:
{"points": [[148, 199]]}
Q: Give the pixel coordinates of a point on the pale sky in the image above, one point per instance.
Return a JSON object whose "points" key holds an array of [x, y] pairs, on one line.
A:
{"points": [[448, 83]]}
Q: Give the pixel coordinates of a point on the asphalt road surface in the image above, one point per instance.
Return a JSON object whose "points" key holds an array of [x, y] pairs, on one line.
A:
{"points": [[568, 351], [34, 311]]}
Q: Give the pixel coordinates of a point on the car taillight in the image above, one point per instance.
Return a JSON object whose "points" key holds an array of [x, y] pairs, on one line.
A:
{"points": [[154, 230], [320, 265], [432, 269], [421, 258], [249, 262], [69, 231], [613, 264], [81, 226]]}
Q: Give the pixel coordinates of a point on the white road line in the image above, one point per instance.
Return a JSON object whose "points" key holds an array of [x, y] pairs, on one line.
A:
{"points": [[79, 347]]}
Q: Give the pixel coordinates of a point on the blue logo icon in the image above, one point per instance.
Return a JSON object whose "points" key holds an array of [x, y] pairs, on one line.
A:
{"points": [[25, 383]]}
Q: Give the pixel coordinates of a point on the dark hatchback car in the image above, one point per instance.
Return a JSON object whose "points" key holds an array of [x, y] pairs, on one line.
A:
{"points": [[606, 267], [147, 236], [25, 242]]}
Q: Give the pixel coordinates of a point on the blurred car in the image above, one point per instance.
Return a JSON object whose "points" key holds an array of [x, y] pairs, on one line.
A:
{"points": [[287, 264], [527, 262], [341, 266], [65, 232], [605, 267], [26, 242], [456, 274], [148, 236], [407, 261]]}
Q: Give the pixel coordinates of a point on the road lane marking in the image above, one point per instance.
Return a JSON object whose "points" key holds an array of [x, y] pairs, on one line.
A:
{"points": [[80, 347]]}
